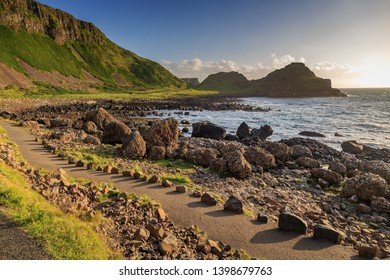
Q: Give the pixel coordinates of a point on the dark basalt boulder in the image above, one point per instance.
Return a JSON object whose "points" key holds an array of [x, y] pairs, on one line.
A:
{"points": [[208, 130]]}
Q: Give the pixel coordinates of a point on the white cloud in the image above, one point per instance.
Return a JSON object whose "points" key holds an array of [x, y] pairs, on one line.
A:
{"points": [[189, 68]]}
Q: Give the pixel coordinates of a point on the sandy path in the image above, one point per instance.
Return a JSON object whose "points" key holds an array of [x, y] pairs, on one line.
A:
{"points": [[262, 241]]}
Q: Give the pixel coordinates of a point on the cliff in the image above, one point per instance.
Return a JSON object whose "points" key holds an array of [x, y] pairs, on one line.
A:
{"points": [[53, 41], [294, 80]]}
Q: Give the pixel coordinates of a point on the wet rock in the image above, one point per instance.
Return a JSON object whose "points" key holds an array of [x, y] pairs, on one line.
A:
{"points": [[208, 130], [311, 134], [327, 175], [380, 204], [368, 251], [327, 233], [263, 133], [301, 151], [243, 131], [134, 146], [91, 140], [234, 204], [291, 222], [208, 199], [169, 245], [115, 132], [307, 162], [337, 167], [238, 165], [157, 153], [352, 147], [365, 185], [168, 184], [260, 156]]}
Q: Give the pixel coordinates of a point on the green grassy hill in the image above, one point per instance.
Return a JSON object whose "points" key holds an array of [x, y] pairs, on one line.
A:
{"points": [[51, 40]]}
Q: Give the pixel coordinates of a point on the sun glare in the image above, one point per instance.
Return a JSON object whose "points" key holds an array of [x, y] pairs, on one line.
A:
{"points": [[376, 76]]}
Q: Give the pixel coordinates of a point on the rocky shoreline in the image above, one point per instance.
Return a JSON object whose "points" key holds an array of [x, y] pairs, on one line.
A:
{"points": [[347, 193]]}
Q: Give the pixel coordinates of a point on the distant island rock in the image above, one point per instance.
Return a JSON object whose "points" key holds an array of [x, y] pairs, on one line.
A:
{"points": [[294, 80]]}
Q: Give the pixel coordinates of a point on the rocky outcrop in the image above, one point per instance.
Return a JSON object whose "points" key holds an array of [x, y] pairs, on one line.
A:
{"points": [[134, 146], [100, 117], [115, 132], [208, 130]]}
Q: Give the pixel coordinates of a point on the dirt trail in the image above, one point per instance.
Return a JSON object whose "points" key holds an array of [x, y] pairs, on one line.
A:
{"points": [[239, 231]]}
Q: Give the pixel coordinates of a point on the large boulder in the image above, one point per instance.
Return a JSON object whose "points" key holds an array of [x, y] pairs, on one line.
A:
{"points": [[203, 156], [157, 153], [338, 167], [327, 175], [291, 222], [100, 117], [115, 132], [243, 131], [365, 185], [163, 133], [208, 130], [378, 167], [260, 156], [301, 151], [352, 147], [263, 133], [134, 146], [234, 204], [238, 165], [279, 150]]}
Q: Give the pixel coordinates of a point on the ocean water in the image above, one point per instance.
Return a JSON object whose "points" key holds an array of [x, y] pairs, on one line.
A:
{"points": [[363, 116]]}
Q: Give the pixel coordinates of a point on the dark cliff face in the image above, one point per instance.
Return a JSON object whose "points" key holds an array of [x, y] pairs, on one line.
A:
{"points": [[32, 16], [294, 80]]}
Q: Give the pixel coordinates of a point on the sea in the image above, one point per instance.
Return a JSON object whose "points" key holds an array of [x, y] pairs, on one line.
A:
{"points": [[363, 116]]}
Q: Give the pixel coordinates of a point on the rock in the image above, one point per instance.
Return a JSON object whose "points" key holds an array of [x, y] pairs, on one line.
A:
{"points": [[60, 122], [311, 134], [33, 126], [154, 179], [364, 185], [263, 133], [260, 156], [262, 218], [338, 134], [164, 133], [301, 151], [234, 204], [203, 156], [243, 131], [363, 208], [307, 162], [91, 165], [378, 167], [72, 160], [162, 216], [157, 153], [137, 174], [142, 234], [368, 251], [134, 146], [327, 175], [181, 189], [338, 167], [169, 245], [156, 231], [208, 130], [291, 222], [185, 130], [323, 184], [90, 127], [91, 140], [380, 204], [327, 233], [238, 165], [352, 147], [168, 184], [208, 199], [231, 137], [115, 132], [127, 173], [114, 170], [107, 169], [80, 163], [100, 117], [279, 150]]}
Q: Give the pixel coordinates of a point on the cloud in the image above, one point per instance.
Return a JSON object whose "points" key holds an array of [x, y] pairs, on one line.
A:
{"points": [[196, 67]]}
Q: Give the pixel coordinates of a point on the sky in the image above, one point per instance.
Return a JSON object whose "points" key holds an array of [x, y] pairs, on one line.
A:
{"points": [[347, 41]]}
